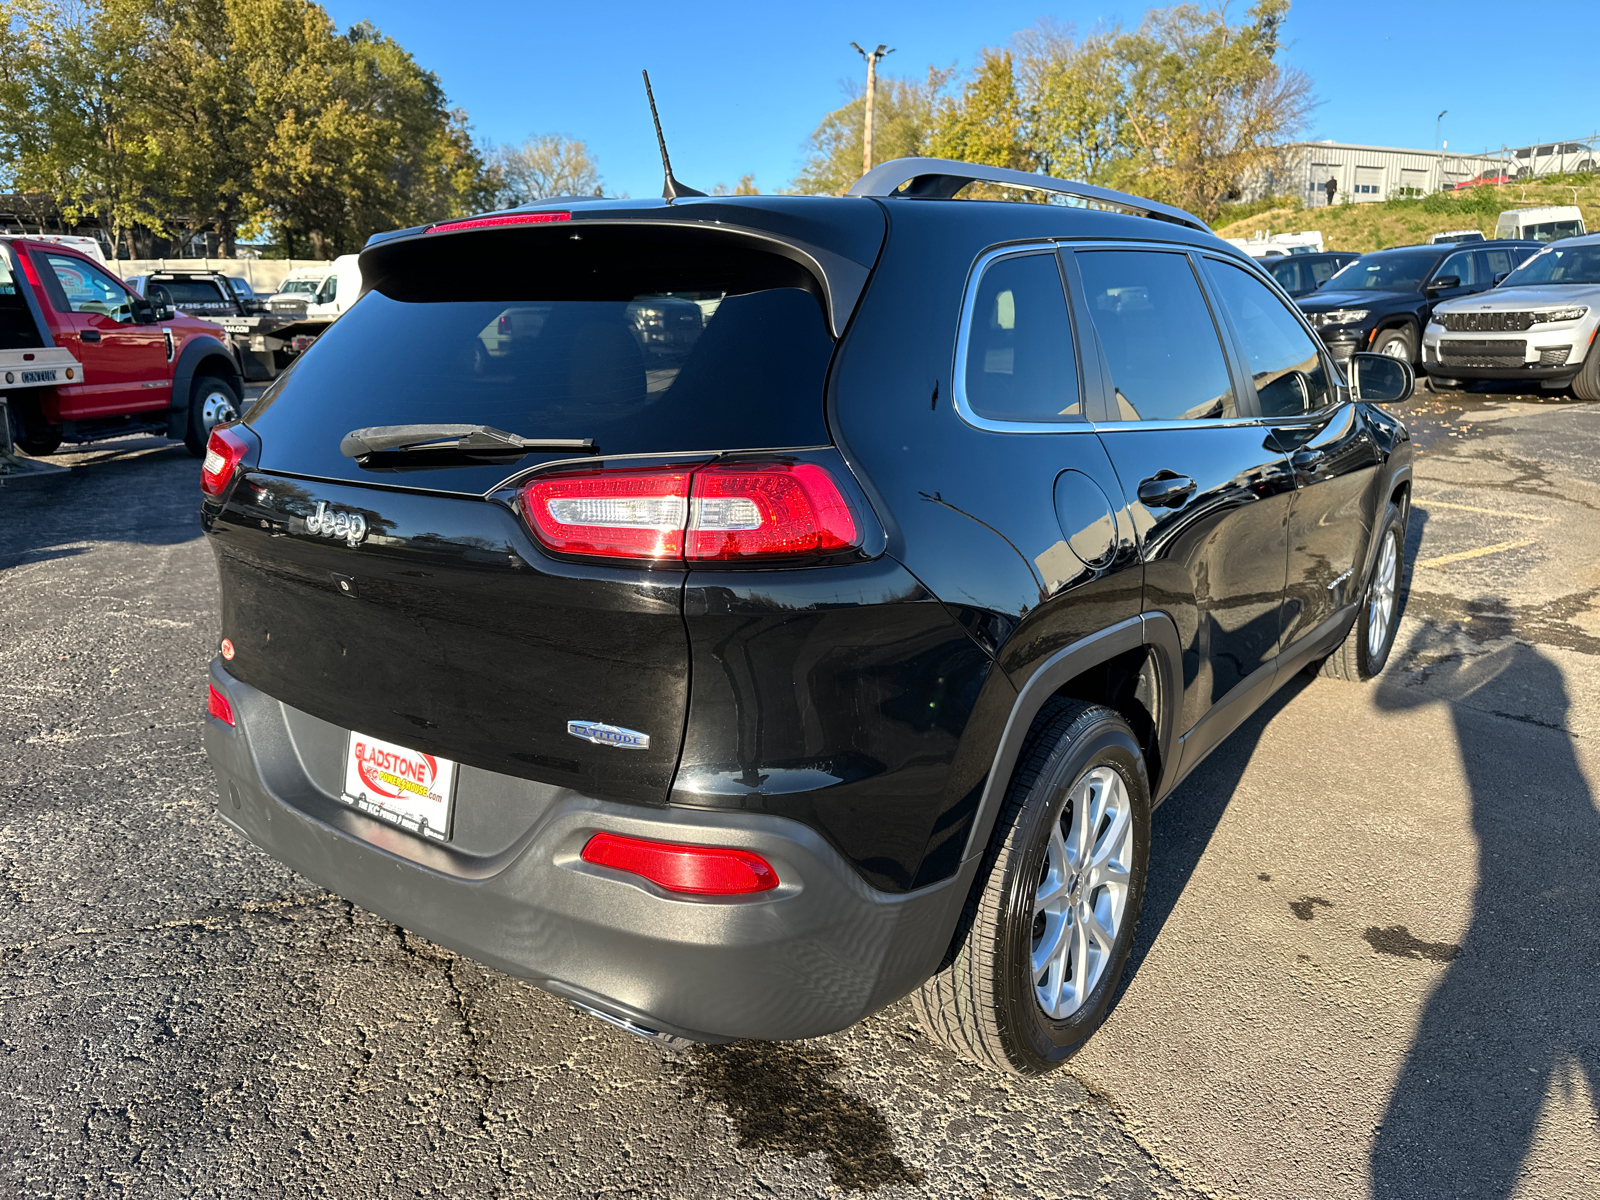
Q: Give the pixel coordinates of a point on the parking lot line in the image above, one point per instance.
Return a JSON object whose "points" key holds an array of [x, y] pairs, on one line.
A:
{"points": [[1463, 555], [1492, 512]]}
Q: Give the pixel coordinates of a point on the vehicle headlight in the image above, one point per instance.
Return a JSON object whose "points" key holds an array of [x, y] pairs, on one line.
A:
{"points": [[1339, 316], [1575, 313]]}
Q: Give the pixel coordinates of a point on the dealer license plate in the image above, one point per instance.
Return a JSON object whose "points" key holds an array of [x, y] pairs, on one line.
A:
{"points": [[400, 785]]}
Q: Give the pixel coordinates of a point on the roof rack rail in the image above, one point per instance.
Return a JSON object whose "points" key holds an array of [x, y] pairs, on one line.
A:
{"points": [[942, 178]]}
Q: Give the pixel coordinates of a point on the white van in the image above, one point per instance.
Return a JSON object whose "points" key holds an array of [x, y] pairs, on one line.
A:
{"points": [[1548, 224], [1276, 245], [323, 291], [83, 245]]}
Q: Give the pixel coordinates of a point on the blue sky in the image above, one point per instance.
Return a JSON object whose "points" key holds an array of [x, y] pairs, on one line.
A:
{"points": [[742, 85]]}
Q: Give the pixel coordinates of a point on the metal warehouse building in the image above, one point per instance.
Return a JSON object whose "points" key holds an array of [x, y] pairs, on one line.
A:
{"points": [[1365, 173]]}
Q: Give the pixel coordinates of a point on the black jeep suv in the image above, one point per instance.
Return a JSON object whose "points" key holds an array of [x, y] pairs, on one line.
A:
{"points": [[1382, 301], [739, 685]]}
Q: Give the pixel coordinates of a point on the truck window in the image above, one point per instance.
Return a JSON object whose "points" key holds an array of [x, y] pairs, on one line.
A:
{"points": [[87, 289], [17, 331]]}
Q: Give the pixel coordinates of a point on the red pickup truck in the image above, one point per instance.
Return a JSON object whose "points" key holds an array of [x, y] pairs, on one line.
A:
{"points": [[82, 357]]}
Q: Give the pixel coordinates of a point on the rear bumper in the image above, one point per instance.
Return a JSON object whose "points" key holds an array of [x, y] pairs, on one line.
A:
{"points": [[820, 952]]}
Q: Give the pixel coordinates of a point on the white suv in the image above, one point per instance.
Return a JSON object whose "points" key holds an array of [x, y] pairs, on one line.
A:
{"points": [[1537, 325]]}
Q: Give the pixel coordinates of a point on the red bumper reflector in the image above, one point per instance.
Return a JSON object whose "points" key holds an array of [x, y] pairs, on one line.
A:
{"points": [[217, 705], [695, 870], [224, 452], [534, 218]]}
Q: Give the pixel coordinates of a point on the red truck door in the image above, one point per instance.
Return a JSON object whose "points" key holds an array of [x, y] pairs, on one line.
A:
{"points": [[124, 364]]}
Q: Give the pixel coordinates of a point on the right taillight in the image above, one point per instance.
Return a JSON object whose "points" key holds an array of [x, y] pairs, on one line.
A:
{"points": [[225, 450], [735, 512]]}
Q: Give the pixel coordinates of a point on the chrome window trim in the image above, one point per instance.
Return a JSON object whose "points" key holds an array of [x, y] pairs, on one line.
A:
{"points": [[958, 377]]}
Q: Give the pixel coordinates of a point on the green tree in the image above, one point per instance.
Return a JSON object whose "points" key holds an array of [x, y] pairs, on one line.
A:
{"points": [[903, 120], [985, 123], [78, 122], [1074, 101]]}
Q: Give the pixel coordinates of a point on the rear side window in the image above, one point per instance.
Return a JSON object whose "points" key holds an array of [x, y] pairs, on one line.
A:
{"points": [[1019, 361], [1323, 271], [1283, 359], [640, 343], [1165, 356]]}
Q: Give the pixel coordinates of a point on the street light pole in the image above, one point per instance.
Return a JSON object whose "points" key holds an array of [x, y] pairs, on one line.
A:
{"points": [[872, 58]]}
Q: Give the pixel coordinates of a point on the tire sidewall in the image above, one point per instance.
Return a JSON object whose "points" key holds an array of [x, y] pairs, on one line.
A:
{"points": [[1038, 1041], [198, 434], [1400, 333]]}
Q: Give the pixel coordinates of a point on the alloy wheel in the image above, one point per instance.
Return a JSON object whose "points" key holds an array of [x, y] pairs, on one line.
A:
{"points": [[1396, 348], [1380, 600], [1082, 897]]}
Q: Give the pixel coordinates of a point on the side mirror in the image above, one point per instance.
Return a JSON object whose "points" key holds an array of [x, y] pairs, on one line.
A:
{"points": [[1501, 278], [144, 313], [1379, 379], [1445, 281], [161, 300]]}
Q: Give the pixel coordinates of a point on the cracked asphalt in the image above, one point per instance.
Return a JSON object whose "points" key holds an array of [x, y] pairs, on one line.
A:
{"points": [[1367, 966]]}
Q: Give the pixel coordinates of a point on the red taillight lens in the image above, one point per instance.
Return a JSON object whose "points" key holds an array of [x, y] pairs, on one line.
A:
{"points": [[217, 705], [743, 511], [694, 870], [224, 451], [776, 510], [535, 218], [617, 514]]}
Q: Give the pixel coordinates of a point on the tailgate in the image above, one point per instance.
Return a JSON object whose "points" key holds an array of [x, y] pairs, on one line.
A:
{"points": [[444, 629]]}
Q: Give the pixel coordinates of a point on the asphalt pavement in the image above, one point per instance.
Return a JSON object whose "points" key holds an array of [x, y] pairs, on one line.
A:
{"points": [[1367, 968]]}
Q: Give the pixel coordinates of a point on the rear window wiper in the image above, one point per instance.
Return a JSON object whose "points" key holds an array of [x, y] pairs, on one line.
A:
{"points": [[470, 441]]}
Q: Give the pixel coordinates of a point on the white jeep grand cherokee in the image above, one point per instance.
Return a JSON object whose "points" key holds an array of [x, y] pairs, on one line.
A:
{"points": [[1538, 325]]}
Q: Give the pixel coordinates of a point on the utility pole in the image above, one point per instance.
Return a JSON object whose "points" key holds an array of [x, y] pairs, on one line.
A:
{"points": [[872, 58]]}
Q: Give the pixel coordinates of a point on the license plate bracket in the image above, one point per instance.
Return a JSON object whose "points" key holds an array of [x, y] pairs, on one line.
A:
{"points": [[402, 786]]}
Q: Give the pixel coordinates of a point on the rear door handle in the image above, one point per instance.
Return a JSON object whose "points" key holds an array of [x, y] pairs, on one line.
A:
{"points": [[91, 335], [1165, 490], [1307, 460]]}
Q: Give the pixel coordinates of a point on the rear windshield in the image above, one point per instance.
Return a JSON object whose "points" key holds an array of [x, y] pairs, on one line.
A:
{"points": [[192, 291], [572, 343]]}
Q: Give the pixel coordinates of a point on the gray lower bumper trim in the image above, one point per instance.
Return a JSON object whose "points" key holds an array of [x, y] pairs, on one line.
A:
{"points": [[818, 953]]}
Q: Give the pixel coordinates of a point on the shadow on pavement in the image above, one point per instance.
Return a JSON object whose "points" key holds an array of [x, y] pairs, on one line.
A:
{"points": [[1518, 1009], [145, 492]]}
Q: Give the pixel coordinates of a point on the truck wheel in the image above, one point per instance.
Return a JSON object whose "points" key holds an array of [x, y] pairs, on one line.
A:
{"points": [[1366, 647], [1044, 937], [39, 445], [212, 402], [1587, 385], [1396, 343]]}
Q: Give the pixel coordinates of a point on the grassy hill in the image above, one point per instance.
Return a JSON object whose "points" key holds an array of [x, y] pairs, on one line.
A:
{"points": [[1364, 227]]}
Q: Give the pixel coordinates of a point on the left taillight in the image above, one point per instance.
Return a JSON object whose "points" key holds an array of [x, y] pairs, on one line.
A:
{"points": [[225, 450], [721, 513], [217, 705]]}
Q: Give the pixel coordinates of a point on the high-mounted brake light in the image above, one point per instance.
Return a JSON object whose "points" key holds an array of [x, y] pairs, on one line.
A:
{"points": [[217, 705], [533, 218], [224, 451], [693, 870], [743, 511]]}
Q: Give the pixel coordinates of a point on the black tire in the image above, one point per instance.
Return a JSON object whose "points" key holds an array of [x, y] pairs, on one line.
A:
{"points": [[1586, 386], [1399, 342], [982, 1002], [1358, 658], [40, 445], [209, 396]]}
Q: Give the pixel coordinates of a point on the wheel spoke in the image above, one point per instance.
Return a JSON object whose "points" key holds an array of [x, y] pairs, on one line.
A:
{"points": [[1056, 926], [1079, 947], [1057, 873]]}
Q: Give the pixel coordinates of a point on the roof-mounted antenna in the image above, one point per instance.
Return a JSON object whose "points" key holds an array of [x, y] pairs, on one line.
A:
{"points": [[671, 189]]}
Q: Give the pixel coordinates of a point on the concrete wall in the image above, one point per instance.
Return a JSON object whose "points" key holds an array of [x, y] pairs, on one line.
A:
{"points": [[262, 274]]}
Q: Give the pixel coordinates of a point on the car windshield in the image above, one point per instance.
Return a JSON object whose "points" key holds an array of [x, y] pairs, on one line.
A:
{"points": [[1566, 264], [303, 287], [1384, 273]]}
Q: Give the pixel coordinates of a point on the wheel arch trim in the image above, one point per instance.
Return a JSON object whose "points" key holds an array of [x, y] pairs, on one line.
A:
{"points": [[1154, 631], [196, 351]]}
